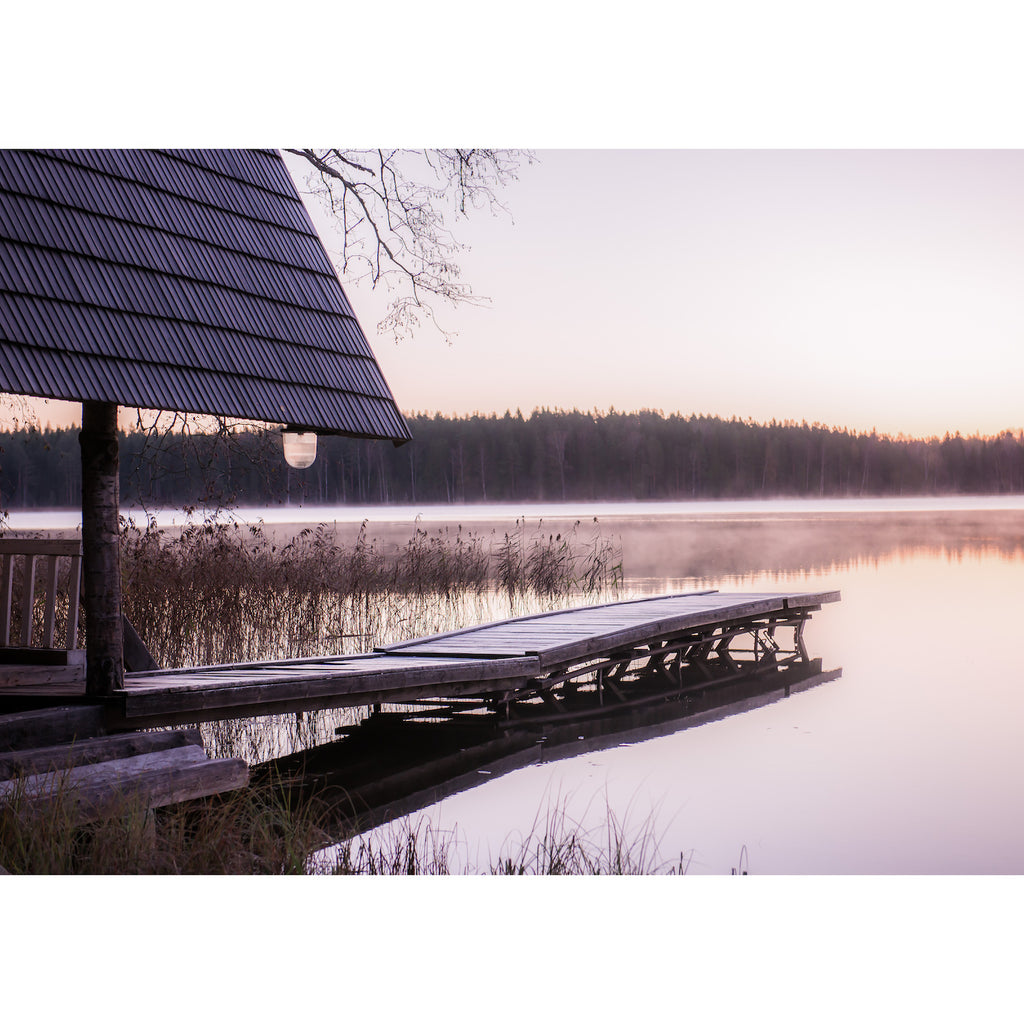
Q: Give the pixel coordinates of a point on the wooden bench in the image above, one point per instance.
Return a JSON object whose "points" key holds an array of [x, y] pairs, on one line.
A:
{"points": [[33, 651]]}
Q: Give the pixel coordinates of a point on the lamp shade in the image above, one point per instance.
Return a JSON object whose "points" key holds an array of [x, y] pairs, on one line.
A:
{"points": [[299, 449]]}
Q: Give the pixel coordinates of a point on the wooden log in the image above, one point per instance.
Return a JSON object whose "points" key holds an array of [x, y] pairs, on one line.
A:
{"points": [[92, 751], [50, 726], [132, 784]]}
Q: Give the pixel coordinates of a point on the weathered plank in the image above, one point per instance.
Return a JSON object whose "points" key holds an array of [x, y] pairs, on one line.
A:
{"points": [[148, 780], [63, 756], [356, 673], [326, 689], [40, 670], [118, 768], [603, 625], [38, 546], [74, 593], [50, 609], [50, 726], [639, 606], [170, 709], [607, 630], [28, 590]]}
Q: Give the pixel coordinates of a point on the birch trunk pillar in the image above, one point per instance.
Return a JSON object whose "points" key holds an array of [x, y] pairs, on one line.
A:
{"points": [[101, 562]]}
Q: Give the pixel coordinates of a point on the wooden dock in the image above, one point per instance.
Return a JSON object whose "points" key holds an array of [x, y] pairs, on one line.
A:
{"points": [[537, 670], [536, 656]]}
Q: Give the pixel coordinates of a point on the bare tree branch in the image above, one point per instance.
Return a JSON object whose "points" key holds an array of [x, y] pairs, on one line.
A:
{"points": [[394, 208]]}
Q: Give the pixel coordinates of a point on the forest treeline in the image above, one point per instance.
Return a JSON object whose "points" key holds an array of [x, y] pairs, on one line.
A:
{"points": [[546, 456]]}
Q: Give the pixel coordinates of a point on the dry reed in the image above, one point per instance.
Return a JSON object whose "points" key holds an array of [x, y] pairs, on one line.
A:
{"points": [[556, 844], [257, 831], [219, 592]]}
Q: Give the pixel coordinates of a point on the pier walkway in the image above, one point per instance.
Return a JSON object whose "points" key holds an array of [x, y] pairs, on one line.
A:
{"points": [[680, 639]]}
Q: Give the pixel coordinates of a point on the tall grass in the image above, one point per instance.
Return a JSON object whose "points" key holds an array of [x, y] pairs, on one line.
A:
{"points": [[556, 844], [257, 831], [249, 831], [218, 592]]}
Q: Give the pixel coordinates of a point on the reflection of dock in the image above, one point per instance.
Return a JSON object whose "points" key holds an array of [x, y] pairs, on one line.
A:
{"points": [[396, 762], [512, 664]]}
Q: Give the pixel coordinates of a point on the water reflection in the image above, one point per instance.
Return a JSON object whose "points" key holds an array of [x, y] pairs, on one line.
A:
{"points": [[399, 760], [735, 546]]}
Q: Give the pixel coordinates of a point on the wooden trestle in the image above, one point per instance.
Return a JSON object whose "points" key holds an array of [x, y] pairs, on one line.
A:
{"points": [[612, 654]]}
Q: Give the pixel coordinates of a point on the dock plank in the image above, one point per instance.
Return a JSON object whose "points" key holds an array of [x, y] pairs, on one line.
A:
{"points": [[62, 756], [154, 779]]}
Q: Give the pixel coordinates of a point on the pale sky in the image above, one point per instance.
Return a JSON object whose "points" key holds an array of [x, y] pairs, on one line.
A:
{"points": [[856, 288]]}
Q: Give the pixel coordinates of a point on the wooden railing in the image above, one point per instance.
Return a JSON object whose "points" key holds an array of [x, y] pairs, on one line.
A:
{"points": [[31, 552], [39, 606]]}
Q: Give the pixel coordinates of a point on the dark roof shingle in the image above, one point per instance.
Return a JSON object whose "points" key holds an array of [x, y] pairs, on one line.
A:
{"points": [[189, 280]]}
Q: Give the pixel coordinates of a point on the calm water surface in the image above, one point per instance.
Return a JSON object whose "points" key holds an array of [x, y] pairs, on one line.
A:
{"points": [[911, 762]]}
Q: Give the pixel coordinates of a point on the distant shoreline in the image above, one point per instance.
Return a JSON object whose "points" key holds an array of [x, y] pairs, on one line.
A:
{"points": [[62, 519]]}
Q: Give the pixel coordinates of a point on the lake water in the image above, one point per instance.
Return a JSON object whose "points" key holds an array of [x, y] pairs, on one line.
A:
{"points": [[911, 762]]}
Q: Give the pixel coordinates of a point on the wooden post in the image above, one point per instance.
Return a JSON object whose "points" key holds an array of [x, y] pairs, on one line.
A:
{"points": [[101, 589]]}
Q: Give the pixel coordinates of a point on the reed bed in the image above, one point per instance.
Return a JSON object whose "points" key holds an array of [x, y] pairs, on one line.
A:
{"points": [[557, 844], [250, 831], [219, 592]]}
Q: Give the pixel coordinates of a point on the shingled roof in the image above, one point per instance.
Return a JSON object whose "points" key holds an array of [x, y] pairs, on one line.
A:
{"points": [[187, 280]]}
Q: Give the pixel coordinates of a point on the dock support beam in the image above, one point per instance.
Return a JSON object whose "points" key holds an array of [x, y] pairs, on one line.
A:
{"points": [[101, 562]]}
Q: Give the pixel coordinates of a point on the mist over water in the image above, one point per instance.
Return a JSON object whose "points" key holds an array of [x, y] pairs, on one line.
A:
{"points": [[351, 516]]}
